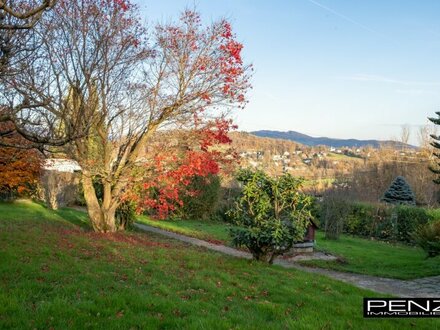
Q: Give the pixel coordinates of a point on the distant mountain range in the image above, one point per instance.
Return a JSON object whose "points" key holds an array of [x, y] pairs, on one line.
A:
{"points": [[325, 141]]}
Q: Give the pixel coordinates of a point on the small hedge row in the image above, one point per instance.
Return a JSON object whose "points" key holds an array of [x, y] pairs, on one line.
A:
{"points": [[379, 221]]}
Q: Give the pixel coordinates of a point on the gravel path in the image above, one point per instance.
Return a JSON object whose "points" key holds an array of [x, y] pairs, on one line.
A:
{"points": [[423, 287]]}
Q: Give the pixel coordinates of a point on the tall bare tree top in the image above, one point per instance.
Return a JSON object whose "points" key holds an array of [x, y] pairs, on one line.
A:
{"points": [[22, 14]]}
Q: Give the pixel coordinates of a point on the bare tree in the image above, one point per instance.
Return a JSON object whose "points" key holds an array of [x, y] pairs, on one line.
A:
{"points": [[15, 18], [17, 41], [22, 14], [424, 138], [95, 73], [405, 134]]}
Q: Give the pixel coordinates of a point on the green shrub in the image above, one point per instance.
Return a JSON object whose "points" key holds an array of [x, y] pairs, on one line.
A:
{"points": [[408, 220], [316, 210], [433, 213], [125, 215], [228, 197], [368, 220], [358, 221], [428, 238], [383, 224], [8, 194], [393, 223], [204, 203], [334, 212], [270, 214]]}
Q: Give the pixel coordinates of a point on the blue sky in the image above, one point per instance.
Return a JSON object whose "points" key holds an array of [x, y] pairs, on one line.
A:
{"points": [[352, 68]]}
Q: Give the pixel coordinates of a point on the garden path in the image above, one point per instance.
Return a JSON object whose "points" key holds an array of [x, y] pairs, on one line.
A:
{"points": [[422, 287]]}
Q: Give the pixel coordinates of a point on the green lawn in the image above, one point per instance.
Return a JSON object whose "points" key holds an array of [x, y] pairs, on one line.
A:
{"points": [[359, 255], [213, 231], [376, 258], [344, 157], [57, 274]]}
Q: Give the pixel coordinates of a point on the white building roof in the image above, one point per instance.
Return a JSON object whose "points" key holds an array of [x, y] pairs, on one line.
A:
{"points": [[61, 165]]}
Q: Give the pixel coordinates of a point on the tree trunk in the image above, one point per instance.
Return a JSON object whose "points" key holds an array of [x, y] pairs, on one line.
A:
{"points": [[102, 217]]}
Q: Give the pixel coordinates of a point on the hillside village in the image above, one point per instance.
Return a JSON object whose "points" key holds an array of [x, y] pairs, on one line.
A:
{"points": [[277, 156]]}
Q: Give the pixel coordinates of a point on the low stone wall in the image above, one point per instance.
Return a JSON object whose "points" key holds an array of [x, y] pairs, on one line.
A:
{"points": [[59, 189], [302, 247]]}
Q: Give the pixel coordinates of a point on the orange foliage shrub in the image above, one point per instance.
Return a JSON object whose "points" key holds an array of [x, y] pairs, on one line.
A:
{"points": [[19, 167]]}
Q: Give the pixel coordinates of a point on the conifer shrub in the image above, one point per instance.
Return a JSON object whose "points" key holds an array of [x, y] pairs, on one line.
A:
{"points": [[399, 193]]}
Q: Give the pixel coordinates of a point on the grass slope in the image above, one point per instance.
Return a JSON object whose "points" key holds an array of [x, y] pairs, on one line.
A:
{"points": [[56, 274], [213, 231], [361, 255], [376, 258]]}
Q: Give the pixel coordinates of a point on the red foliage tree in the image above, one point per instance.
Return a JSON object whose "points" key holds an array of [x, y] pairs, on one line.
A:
{"points": [[221, 80], [169, 173], [99, 71]]}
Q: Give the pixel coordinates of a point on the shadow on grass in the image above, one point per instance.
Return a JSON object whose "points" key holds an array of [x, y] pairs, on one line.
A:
{"points": [[75, 217]]}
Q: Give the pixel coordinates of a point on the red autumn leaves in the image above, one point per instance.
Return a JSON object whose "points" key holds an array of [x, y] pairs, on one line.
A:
{"points": [[211, 55], [171, 172], [171, 178], [212, 58]]}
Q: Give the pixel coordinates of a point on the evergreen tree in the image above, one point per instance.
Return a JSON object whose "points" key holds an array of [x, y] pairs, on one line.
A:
{"points": [[399, 192], [436, 144]]}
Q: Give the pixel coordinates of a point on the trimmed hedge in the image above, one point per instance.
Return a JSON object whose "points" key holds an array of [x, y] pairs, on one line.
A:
{"points": [[381, 221], [408, 220]]}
